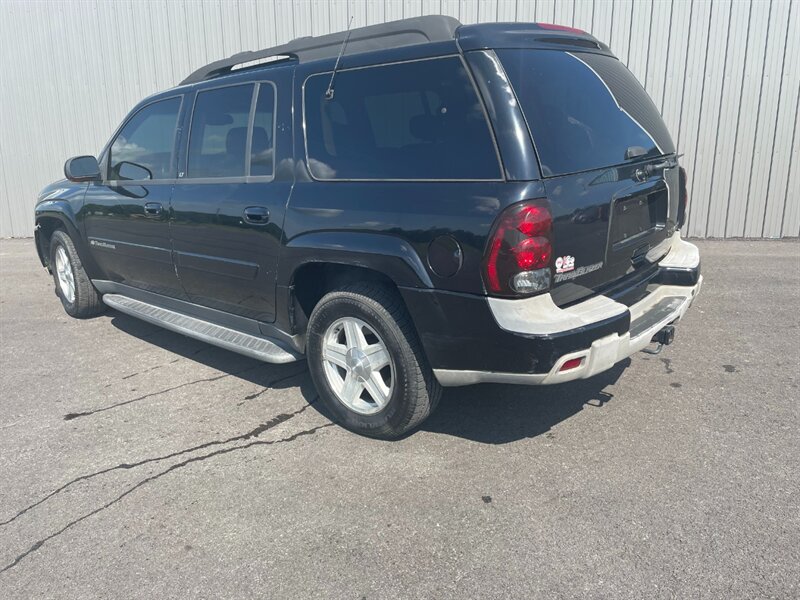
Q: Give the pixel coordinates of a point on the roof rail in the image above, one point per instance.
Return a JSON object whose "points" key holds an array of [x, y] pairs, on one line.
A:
{"points": [[394, 34]]}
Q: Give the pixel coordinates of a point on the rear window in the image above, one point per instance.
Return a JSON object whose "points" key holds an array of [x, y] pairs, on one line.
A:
{"points": [[585, 111], [415, 120]]}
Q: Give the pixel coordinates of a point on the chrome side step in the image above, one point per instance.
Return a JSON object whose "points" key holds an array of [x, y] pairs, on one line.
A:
{"points": [[230, 339]]}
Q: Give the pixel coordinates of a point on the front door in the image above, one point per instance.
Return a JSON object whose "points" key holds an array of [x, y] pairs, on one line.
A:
{"points": [[126, 215], [229, 202]]}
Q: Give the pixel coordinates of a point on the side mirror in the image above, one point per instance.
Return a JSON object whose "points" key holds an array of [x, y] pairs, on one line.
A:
{"points": [[133, 172], [82, 168]]}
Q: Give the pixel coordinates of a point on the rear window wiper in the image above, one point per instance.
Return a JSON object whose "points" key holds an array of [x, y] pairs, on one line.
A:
{"points": [[661, 165]]}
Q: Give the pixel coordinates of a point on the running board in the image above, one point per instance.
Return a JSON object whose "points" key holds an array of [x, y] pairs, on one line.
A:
{"points": [[230, 339]]}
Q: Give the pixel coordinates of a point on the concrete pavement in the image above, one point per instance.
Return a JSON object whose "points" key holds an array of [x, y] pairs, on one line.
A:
{"points": [[137, 463]]}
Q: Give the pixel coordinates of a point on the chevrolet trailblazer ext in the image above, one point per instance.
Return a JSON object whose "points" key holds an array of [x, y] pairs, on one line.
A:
{"points": [[411, 205]]}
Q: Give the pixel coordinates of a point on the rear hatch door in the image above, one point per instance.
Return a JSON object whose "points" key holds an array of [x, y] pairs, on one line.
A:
{"points": [[608, 164]]}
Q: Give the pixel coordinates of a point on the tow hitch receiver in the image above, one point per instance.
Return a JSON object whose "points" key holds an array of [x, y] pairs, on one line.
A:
{"points": [[663, 338]]}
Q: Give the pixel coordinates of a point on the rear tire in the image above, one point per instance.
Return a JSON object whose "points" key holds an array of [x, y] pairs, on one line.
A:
{"points": [[380, 385], [73, 286]]}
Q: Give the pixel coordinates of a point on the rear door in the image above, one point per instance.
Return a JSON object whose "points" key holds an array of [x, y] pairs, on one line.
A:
{"points": [[229, 202], [126, 214], [607, 161]]}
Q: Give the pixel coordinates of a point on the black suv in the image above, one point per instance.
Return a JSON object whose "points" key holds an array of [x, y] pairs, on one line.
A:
{"points": [[409, 205]]}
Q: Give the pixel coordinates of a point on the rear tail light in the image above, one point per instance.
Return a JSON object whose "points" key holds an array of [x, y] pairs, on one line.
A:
{"points": [[520, 252], [683, 200]]}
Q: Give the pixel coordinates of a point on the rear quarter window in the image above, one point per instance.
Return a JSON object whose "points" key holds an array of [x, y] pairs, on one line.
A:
{"points": [[405, 121], [585, 111]]}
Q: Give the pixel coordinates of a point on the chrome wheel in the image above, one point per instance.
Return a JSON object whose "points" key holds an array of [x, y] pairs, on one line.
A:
{"points": [[66, 279], [357, 365]]}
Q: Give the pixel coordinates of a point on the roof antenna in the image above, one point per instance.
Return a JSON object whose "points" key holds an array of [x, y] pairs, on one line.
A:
{"points": [[329, 91]]}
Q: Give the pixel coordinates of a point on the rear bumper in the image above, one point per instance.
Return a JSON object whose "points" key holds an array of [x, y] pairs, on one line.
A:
{"points": [[600, 332], [665, 306]]}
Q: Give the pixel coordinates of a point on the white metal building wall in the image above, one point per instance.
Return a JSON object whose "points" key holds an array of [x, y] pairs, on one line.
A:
{"points": [[724, 73]]}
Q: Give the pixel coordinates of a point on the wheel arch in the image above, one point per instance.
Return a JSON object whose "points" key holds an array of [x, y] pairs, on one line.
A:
{"points": [[387, 254], [51, 216], [311, 280], [317, 263]]}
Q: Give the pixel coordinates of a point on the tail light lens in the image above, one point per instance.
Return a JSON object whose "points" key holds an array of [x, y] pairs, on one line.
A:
{"points": [[683, 200], [520, 251]]}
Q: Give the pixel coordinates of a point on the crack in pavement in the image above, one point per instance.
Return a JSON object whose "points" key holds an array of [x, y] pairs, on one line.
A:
{"points": [[268, 387], [148, 370], [205, 348], [77, 415], [37, 545], [275, 421]]}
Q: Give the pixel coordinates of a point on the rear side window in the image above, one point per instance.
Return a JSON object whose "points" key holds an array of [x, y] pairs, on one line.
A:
{"points": [[218, 134], [262, 155], [144, 147], [415, 120], [584, 110]]}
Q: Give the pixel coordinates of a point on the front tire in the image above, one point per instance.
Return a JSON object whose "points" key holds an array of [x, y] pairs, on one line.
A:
{"points": [[367, 363], [73, 286]]}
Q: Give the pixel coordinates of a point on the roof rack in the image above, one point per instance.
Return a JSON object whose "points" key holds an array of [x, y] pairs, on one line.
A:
{"points": [[394, 34]]}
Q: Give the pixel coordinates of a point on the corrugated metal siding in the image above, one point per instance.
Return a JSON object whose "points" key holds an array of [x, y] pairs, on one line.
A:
{"points": [[725, 74]]}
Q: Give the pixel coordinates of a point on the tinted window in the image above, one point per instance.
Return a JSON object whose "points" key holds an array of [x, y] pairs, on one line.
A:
{"points": [[262, 148], [147, 140], [218, 135], [416, 120], [585, 111]]}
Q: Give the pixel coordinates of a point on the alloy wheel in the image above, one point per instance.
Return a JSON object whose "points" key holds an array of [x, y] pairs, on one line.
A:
{"points": [[66, 278], [357, 365]]}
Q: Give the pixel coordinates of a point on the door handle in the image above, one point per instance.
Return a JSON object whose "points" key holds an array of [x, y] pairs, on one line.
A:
{"points": [[256, 215], [153, 209]]}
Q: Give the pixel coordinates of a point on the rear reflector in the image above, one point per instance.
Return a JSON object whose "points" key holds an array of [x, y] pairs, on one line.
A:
{"points": [[572, 363]]}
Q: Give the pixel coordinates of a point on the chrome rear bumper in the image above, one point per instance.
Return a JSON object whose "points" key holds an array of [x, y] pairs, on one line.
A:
{"points": [[538, 315]]}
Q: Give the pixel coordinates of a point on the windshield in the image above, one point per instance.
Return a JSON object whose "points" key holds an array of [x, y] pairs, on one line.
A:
{"points": [[585, 111]]}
